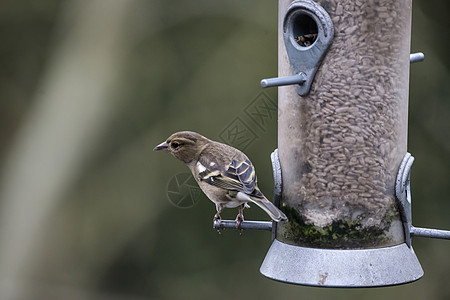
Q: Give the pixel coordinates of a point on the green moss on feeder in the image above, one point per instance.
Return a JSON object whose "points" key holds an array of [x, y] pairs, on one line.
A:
{"points": [[340, 234]]}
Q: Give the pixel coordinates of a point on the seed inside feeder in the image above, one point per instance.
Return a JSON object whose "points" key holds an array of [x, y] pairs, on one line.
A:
{"points": [[341, 145], [306, 40]]}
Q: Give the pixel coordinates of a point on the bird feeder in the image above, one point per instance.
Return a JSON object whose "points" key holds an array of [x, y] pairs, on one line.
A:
{"points": [[342, 168]]}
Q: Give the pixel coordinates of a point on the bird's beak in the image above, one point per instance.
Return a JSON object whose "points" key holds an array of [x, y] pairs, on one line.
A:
{"points": [[163, 146]]}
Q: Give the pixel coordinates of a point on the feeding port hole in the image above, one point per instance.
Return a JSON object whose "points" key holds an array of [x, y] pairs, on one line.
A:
{"points": [[305, 29]]}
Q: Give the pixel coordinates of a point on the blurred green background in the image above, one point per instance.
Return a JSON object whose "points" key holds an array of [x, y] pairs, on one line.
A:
{"points": [[89, 87]]}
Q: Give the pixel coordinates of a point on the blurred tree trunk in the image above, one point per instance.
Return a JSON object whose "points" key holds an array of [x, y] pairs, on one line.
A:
{"points": [[73, 108]]}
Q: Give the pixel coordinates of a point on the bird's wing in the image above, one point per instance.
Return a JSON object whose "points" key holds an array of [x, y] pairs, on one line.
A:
{"points": [[239, 175]]}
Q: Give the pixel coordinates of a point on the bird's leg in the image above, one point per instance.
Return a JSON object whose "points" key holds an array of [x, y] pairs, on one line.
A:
{"points": [[240, 217], [219, 208]]}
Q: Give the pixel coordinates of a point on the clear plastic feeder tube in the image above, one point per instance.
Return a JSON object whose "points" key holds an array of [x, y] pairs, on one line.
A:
{"points": [[341, 145]]}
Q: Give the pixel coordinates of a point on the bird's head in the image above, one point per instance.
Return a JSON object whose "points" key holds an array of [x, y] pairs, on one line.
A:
{"points": [[184, 145]]}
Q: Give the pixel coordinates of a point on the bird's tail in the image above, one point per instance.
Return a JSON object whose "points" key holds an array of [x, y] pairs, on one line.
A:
{"points": [[276, 214]]}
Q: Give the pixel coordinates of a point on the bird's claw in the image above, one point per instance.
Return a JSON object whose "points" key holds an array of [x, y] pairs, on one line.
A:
{"points": [[218, 219], [239, 220]]}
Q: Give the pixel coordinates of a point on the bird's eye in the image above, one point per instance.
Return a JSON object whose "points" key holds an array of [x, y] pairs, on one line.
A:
{"points": [[175, 145]]}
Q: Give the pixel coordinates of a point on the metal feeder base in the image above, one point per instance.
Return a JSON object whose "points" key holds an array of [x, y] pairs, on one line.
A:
{"points": [[341, 268]]}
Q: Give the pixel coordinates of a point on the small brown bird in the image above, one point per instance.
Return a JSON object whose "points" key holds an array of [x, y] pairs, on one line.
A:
{"points": [[224, 174]]}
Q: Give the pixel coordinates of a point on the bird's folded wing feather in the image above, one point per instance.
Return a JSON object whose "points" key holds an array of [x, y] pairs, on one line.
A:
{"points": [[239, 175]]}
